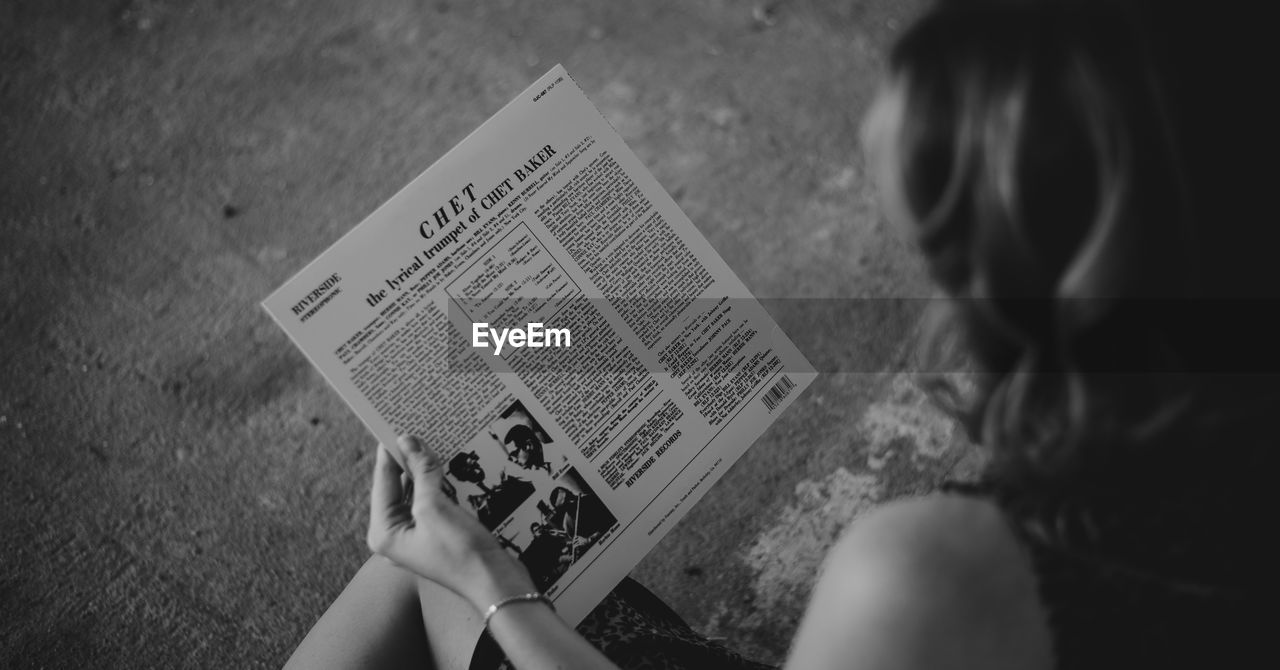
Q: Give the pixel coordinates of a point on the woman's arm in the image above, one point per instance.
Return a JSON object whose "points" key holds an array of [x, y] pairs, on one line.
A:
{"points": [[936, 583], [434, 538]]}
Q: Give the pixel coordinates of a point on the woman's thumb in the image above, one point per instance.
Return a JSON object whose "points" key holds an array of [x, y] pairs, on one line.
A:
{"points": [[425, 466]]}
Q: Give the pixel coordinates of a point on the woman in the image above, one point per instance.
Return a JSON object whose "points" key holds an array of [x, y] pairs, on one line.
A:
{"points": [[1051, 161]]}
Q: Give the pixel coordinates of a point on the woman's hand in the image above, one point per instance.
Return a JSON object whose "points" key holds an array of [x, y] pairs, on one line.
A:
{"points": [[433, 537]]}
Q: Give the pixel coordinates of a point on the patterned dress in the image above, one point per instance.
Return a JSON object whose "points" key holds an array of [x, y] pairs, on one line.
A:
{"points": [[637, 631]]}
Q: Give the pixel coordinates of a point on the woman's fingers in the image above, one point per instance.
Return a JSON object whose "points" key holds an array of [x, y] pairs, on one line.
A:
{"points": [[427, 470], [386, 497], [391, 519], [387, 491], [406, 485]]}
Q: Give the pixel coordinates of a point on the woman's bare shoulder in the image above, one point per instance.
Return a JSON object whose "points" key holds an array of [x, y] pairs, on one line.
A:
{"points": [[933, 582]]}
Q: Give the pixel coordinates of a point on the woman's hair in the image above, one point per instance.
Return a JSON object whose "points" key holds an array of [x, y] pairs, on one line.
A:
{"points": [[1042, 164]]}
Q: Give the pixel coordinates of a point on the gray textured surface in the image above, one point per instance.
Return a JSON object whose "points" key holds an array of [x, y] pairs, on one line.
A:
{"points": [[181, 489]]}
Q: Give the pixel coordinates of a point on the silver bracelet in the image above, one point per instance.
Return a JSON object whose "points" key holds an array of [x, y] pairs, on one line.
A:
{"points": [[535, 596]]}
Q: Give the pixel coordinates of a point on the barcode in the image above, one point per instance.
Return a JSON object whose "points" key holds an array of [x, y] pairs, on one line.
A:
{"points": [[779, 391]]}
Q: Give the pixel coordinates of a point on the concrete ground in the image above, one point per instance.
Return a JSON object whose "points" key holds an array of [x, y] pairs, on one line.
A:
{"points": [[181, 489]]}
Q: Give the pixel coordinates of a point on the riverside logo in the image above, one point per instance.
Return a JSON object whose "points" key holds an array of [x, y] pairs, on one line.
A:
{"points": [[534, 336]]}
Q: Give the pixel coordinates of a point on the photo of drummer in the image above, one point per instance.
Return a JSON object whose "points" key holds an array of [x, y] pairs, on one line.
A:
{"points": [[493, 500]]}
